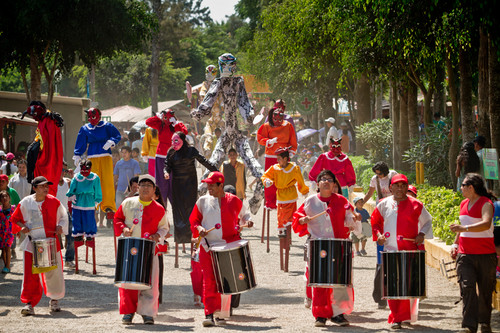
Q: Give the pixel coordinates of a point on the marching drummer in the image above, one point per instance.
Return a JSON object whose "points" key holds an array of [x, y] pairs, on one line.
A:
{"points": [[401, 222], [41, 216], [141, 216], [216, 208], [338, 220]]}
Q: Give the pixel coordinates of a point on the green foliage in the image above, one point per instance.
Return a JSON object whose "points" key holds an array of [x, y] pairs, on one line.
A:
{"points": [[444, 206], [377, 137], [11, 80], [363, 170]]}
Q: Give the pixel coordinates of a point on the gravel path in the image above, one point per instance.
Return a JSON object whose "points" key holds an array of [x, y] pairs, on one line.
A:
{"points": [[275, 305]]}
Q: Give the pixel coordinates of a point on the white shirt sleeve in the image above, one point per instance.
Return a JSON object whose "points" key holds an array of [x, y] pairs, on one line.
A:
{"points": [[62, 218], [425, 223]]}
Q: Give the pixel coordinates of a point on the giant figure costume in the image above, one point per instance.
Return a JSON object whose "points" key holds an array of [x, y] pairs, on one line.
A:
{"points": [[234, 97], [215, 120]]}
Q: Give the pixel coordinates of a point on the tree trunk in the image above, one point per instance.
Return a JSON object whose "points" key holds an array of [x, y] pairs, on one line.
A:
{"points": [[396, 152], [412, 112], [439, 96], [453, 152], [494, 99], [379, 96], [404, 136], [363, 110], [483, 88], [468, 130], [36, 78], [155, 59]]}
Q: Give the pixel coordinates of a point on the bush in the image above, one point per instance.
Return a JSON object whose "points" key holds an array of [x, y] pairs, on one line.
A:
{"points": [[377, 137], [444, 206]]}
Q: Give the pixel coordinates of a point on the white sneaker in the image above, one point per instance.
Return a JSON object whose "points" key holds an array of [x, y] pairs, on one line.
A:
{"points": [[197, 301], [28, 310], [69, 264], [307, 302], [54, 305]]}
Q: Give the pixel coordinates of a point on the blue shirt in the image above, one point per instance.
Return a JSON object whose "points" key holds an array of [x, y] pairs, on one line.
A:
{"points": [[126, 170], [365, 216], [95, 137], [496, 214]]}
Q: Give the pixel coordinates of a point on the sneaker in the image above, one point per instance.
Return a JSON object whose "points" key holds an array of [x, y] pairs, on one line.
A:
{"points": [[69, 264], [307, 302], [382, 305], [5, 270], [358, 254], [209, 320], [28, 310], [127, 319], [54, 305], [396, 326], [363, 253], [197, 300], [320, 322], [484, 328], [340, 320], [148, 320]]}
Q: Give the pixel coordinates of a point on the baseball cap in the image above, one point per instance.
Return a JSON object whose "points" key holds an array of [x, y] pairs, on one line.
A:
{"points": [[214, 177], [356, 200], [4, 177], [399, 178], [9, 156], [147, 177], [2, 153], [40, 180], [412, 189], [331, 120]]}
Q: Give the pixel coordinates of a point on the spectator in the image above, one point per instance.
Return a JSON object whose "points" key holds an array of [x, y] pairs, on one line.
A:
{"points": [[479, 143], [136, 155], [6, 236], [344, 144], [234, 173], [467, 162], [125, 169], [19, 181], [332, 130], [366, 228], [9, 168]]}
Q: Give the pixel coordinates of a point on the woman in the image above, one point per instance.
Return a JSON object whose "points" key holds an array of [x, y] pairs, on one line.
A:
{"points": [[467, 162], [474, 250], [274, 134], [181, 169], [380, 181]]}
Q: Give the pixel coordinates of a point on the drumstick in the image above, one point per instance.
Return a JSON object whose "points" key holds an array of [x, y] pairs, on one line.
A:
{"points": [[328, 210], [217, 226], [135, 222], [401, 238]]}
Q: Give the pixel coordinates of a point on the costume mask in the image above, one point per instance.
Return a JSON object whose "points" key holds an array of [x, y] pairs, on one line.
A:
{"points": [[85, 169], [280, 104], [335, 147], [35, 111], [210, 73], [176, 142], [169, 116], [227, 65], [278, 116], [94, 116]]}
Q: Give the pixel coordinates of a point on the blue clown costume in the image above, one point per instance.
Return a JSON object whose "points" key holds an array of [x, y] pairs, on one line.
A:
{"points": [[99, 139], [87, 192]]}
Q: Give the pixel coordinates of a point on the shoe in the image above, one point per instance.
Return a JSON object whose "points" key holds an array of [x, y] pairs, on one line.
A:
{"points": [[5, 270], [54, 305], [28, 310], [484, 328], [358, 254], [209, 320], [307, 302], [13, 254], [127, 319], [382, 305], [363, 253], [340, 320], [281, 233], [78, 239], [396, 326], [148, 320], [320, 322], [69, 264], [197, 300], [220, 321], [466, 330]]}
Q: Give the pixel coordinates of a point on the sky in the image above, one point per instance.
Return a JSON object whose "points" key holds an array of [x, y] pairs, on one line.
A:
{"points": [[220, 8]]}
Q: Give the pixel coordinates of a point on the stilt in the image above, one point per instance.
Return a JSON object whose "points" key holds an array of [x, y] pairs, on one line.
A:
{"points": [[183, 248], [268, 223], [91, 243], [282, 241], [160, 278], [176, 264], [288, 240], [263, 223], [77, 245]]}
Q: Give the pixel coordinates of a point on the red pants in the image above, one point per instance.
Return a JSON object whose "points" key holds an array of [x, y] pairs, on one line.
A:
{"points": [[211, 298], [270, 192], [400, 311], [285, 214], [196, 278]]}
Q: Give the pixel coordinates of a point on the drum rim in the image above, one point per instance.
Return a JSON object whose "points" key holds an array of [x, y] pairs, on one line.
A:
{"points": [[404, 297], [329, 285], [132, 282], [333, 239], [405, 251], [241, 292], [135, 238], [50, 239], [247, 243]]}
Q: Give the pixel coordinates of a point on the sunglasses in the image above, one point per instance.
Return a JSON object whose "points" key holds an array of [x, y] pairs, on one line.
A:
{"points": [[465, 184], [330, 180]]}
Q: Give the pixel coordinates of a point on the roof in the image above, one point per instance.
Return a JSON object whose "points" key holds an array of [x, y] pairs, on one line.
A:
{"points": [[123, 113], [15, 117], [162, 106]]}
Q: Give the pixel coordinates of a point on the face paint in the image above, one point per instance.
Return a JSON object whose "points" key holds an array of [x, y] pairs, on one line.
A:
{"points": [[278, 117], [335, 147], [210, 73], [176, 142], [94, 116], [85, 170]]}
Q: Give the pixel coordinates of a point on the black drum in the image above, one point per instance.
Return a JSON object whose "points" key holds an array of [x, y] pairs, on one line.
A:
{"points": [[404, 275], [233, 267], [134, 263], [330, 262]]}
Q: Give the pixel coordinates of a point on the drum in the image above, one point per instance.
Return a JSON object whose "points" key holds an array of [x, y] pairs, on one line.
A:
{"points": [[404, 275], [134, 263], [330, 262], [233, 268], [44, 254]]}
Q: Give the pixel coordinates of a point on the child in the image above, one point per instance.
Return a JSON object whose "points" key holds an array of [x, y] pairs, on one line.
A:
{"points": [[284, 176], [366, 227], [234, 173], [6, 236]]}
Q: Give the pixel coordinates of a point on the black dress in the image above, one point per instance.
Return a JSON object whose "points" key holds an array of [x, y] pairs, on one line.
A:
{"points": [[182, 170]]}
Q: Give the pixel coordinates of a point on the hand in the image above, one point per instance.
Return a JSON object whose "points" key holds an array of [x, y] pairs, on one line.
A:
{"points": [[357, 217], [25, 230], [419, 239], [202, 231], [126, 232], [108, 144], [271, 142], [155, 237], [166, 175], [268, 183], [304, 220], [145, 159], [456, 228], [59, 230], [72, 198], [249, 224], [381, 239], [454, 252], [76, 161]]}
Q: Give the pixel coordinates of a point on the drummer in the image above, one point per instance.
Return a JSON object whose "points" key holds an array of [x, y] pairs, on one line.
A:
{"points": [[42, 216], [401, 216], [335, 224], [216, 207], [150, 220]]}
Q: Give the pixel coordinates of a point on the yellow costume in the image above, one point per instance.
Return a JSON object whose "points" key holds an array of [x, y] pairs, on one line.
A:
{"points": [[149, 145]]}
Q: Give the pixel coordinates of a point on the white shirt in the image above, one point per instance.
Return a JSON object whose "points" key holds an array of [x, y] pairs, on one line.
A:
{"points": [[384, 184], [13, 168], [334, 133], [21, 185], [61, 193]]}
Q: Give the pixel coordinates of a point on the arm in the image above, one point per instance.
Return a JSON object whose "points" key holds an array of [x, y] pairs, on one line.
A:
{"points": [[154, 122], [293, 138], [244, 105], [203, 161], [262, 135], [459, 168], [303, 188], [377, 226], [195, 219], [369, 194], [268, 177], [17, 221], [119, 222], [299, 223], [81, 143], [163, 226], [62, 220], [97, 190], [180, 127], [484, 224], [113, 134], [205, 108]]}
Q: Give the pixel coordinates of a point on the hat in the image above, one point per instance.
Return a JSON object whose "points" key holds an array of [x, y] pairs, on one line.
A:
{"points": [[399, 178], [147, 177], [40, 180], [9, 156], [330, 120], [412, 189], [214, 177], [4, 177], [2, 153], [356, 200]]}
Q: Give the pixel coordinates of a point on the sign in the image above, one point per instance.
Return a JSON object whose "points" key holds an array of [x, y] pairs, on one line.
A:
{"points": [[305, 104], [490, 163]]}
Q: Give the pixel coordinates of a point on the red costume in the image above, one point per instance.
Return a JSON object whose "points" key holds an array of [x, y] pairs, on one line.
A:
{"points": [[340, 165]]}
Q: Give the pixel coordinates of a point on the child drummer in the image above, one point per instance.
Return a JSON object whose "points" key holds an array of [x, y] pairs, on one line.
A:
{"points": [[141, 216], [339, 219]]}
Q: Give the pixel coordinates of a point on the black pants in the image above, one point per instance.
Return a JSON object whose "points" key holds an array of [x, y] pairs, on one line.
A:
{"points": [[472, 270], [377, 287]]}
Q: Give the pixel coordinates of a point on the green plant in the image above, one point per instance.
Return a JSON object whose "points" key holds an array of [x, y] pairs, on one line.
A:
{"points": [[377, 136], [444, 206]]}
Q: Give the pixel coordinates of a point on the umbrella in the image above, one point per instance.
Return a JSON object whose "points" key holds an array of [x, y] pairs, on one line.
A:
{"points": [[305, 133]]}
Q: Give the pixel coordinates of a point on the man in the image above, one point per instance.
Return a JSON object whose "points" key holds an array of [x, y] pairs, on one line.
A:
{"points": [[403, 216], [234, 173], [62, 189], [216, 207], [152, 223], [479, 143], [43, 216], [332, 131]]}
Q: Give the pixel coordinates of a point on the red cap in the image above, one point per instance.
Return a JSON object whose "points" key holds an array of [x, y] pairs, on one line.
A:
{"points": [[412, 189], [9, 156], [399, 178], [4, 177], [214, 177]]}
